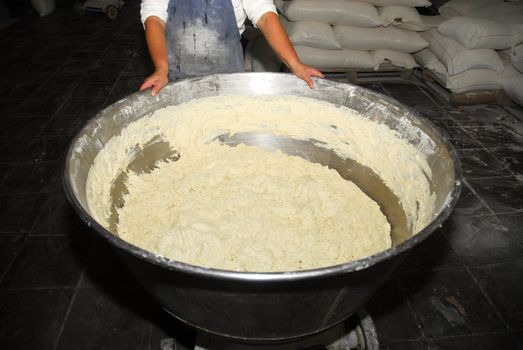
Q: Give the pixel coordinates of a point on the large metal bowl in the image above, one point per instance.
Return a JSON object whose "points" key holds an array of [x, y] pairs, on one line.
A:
{"points": [[263, 307]]}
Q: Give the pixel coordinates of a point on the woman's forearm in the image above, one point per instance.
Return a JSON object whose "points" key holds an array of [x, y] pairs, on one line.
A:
{"points": [[270, 25], [155, 37]]}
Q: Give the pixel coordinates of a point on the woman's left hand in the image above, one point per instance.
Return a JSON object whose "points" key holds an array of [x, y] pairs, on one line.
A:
{"points": [[305, 73], [271, 27]]}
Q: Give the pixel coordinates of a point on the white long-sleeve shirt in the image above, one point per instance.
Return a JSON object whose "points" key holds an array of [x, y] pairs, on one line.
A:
{"points": [[243, 9]]}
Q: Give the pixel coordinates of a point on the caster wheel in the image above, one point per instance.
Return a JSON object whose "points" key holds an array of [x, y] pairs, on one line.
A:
{"points": [[78, 8], [111, 12]]}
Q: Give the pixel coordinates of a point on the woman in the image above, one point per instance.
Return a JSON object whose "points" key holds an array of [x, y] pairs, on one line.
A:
{"points": [[198, 37]]}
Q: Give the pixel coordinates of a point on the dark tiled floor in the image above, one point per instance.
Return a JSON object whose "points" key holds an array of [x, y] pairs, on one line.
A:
{"points": [[62, 288]]}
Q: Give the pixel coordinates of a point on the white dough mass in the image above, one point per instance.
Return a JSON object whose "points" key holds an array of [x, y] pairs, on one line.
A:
{"points": [[245, 208]]}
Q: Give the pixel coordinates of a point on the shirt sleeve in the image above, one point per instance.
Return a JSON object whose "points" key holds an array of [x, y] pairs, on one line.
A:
{"points": [[255, 9], [156, 8]]}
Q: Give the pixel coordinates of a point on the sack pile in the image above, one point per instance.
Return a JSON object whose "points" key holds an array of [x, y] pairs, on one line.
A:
{"points": [[343, 34], [476, 45]]}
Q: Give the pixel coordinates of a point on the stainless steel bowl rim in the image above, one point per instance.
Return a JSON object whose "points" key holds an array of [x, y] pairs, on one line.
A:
{"points": [[324, 272]]}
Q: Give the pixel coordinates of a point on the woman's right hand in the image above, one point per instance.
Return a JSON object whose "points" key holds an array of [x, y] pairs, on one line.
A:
{"points": [[156, 81]]}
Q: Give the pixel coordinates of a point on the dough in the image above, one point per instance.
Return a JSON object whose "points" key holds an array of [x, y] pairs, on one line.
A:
{"points": [[248, 209]]}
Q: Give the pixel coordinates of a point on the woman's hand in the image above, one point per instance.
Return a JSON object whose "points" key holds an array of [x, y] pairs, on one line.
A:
{"points": [[155, 37], [305, 73], [156, 81], [271, 27]]}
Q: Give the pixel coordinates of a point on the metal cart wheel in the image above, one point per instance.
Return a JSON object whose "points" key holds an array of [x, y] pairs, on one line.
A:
{"points": [[111, 12], [78, 8]]}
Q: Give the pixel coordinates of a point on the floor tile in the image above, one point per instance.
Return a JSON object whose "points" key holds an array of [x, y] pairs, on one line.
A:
{"points": [[70, 71], [410, 99], [433, 253], [502, 284], [91, 47], [481, 240], [496, 135], [36, 106], [103, 72], [46, 149], [460, 139], [142, 51], [54, 91], [449, 303], [392, 316], [19, 212], [31, 319], [22, 84], [48, 261], [514, 224], [443, 124], [8, 107], [139, 66], [478, 163], [122, 52], [502, 194], [96, 91], [63, 126], [83, 107], [10, 244], [124, 87], [482, 115], [508, 117], [412, 345], [4, 169], [400, 87], [483, 342], [12, 150], [165, 328], [45, 64], [88, 51], [517, 337], [22, 129], [515, 111], [58, 217], [512, 156], [32, 178], [437, 116], [469, 203], [106, 318], [105, 268]]}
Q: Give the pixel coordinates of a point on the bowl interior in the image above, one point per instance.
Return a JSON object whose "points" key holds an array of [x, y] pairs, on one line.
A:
{"points": [[438, 153]]}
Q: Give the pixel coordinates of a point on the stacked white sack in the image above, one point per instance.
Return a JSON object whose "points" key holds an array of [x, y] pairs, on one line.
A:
{"points": [[402, 17], [345, 12], [457, 59], [515, 56], [480, 8], [464, 44], [492, 24], [463, 7], [433, 22], [406, 3], [474, 79], [310, 30], [344, 34], [483, 33], [513, 86], [390, 38]]}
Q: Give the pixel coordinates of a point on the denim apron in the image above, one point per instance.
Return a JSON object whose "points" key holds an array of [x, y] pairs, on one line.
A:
{"points": [[202, 38]]}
